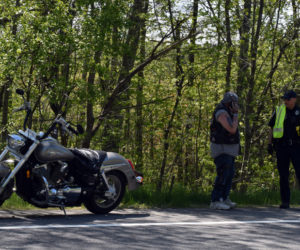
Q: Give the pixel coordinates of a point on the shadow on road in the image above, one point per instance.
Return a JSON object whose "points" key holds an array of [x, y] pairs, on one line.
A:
{"points": [[226, 236], [189, 214], [39, 216], [240, 214]]}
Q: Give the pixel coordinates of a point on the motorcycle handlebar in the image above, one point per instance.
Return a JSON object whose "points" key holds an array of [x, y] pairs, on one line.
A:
{"points": [[74, 131], [49, 131], [63, 123], [58, 120], [25, 106]]}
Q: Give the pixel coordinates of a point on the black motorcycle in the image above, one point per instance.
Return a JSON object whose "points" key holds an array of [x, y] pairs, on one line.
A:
{"points": [[46, 174]]}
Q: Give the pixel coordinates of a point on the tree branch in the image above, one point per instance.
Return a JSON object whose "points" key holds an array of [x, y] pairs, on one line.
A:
{"points": [[125, 82]]}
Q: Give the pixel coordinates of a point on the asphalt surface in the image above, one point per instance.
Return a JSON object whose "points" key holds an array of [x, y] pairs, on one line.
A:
{"points": [[241, 228]]}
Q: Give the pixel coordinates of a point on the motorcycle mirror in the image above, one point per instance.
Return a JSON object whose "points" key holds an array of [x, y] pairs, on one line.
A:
{"points": [[20, 92], [80, 129]]}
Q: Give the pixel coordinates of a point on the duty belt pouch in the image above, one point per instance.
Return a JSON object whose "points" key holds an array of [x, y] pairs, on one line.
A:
{"points": [[298, 130]]}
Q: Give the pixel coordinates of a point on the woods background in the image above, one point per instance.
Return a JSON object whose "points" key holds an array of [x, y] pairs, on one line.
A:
{"points": [[143, 78]]}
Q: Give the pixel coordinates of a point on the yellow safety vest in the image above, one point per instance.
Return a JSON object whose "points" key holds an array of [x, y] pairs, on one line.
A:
{"points": [[278, 127]]}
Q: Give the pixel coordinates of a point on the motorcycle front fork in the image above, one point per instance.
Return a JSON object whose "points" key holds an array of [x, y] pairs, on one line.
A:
{"points": [[21, 159]]}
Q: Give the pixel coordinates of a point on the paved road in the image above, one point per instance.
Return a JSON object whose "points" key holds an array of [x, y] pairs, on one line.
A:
{"points": [[242, 228]]}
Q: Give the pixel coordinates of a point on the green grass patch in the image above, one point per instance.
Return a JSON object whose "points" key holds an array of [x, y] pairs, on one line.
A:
{"points": [[180, 197], [15, 202], [147, 196]]}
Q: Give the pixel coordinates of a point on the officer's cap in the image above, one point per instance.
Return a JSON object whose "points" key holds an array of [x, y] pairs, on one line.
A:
{"points": [[289, 94]]}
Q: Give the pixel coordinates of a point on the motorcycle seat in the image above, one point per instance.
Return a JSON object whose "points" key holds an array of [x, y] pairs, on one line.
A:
{"points": [[90, 159]]}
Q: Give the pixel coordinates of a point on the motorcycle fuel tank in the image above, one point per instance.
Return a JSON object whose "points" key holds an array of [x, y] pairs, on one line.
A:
{"points": [[49, 150]]}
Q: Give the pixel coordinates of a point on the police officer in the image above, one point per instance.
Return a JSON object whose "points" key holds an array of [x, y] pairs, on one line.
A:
{"points": [[285, 139], [225, 144]]}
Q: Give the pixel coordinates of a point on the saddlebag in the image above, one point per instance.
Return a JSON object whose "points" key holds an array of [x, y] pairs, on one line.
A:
{"points": [[88, 160]]}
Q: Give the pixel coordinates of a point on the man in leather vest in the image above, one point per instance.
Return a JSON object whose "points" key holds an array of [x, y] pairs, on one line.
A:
{"points": [[225, 145], [284, 137]]}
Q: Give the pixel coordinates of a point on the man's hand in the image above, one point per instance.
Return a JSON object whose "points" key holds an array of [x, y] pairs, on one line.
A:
{"points": [[270, 149], [229, 124], [234, 108]]}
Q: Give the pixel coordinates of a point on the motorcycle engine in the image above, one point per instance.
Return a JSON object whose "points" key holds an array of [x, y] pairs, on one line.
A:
{"points": [[56, 186]]}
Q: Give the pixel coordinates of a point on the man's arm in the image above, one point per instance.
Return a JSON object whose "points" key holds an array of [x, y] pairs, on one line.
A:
{"points": [[271, 125], [229, 124]]}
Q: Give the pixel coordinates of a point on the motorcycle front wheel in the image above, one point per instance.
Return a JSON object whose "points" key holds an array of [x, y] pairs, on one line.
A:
{"points": [[98, 204], [7, 192]]}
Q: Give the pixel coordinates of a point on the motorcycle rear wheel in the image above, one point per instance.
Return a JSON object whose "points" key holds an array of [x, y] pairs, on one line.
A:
{"points": [[99, 205]]}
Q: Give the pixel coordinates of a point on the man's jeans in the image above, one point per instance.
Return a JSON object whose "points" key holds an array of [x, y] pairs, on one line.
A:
{"points": [[225, 172]]}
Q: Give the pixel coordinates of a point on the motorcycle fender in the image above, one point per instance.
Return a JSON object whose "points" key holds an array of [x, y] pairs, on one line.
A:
{"points": [[114, 161], [4, 170]]}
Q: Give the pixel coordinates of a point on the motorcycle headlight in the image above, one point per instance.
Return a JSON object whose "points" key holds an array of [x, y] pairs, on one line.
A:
{"points": [[16, 142]]}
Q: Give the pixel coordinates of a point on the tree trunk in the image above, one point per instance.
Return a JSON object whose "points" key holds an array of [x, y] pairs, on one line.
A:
{"points": [[8, 84], [297, 44], [139, 94], [229, 45], [5, 108], [89, 105], [191, 74], [129, 57], [249, 98], [179, 85], [243, 62]]}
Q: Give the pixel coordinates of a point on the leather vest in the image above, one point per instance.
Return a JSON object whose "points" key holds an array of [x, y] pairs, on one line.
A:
{"points": [[218, 134]]}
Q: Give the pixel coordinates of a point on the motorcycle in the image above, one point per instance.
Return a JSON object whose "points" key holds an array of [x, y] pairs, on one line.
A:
{"points": [[46, 174]]}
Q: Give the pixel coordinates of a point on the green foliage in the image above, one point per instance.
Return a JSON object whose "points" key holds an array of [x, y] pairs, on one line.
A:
{"points": [[79, 48]]}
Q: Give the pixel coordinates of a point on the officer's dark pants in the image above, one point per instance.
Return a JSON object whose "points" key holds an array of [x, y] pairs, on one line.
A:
{"points": [[285, 155], [225, 172]]}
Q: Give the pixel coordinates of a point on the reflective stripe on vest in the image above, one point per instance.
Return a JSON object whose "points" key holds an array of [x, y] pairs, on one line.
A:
{"points": [[278, 127]]}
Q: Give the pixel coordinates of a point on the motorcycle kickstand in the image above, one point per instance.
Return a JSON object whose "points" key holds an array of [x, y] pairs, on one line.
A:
{"points": [[63, 209]]}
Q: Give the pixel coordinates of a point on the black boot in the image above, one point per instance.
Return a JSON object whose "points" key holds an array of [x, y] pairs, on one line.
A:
{"points": [[284, 205]]}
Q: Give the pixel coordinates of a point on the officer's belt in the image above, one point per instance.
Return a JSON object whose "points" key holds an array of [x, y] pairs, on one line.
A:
{"points": [[290, 142]]}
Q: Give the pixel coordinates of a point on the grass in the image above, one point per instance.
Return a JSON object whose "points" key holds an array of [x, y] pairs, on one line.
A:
{"points": [[15, 202], [180, 197], [148, 197]]}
